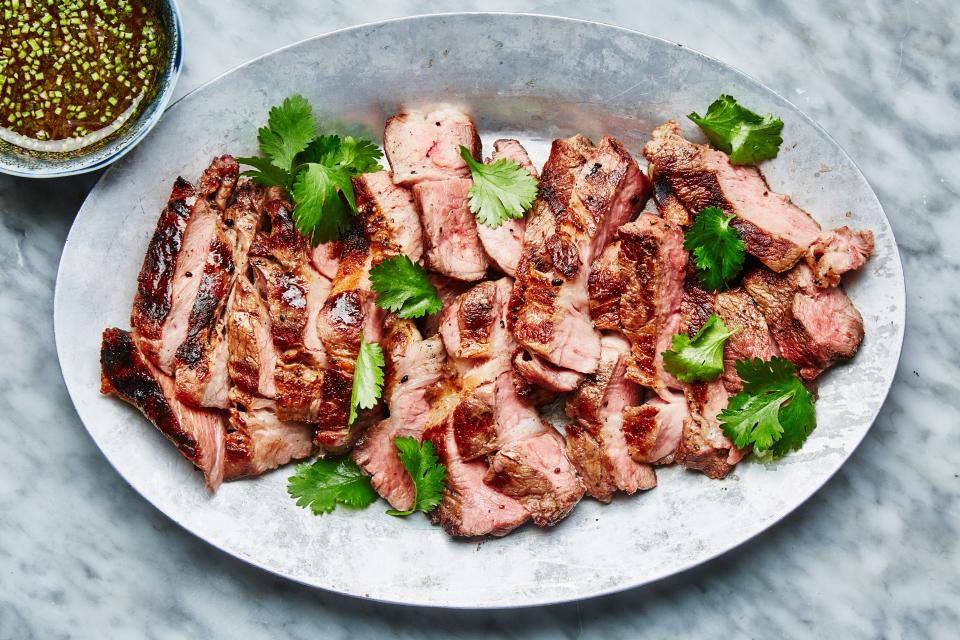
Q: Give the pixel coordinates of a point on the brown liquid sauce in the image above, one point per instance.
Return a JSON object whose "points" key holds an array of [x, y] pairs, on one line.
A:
{"points": [[73, 71]]}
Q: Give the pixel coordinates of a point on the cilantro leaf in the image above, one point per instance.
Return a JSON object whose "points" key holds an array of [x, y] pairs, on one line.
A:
{"points": [[367, 378], [699, 358], [355, 156], [402, 287], [718, 251], [321, 213], [428, 475], [290, 128], [774, 412], [266, 174], [323, 484], [501, 190], [359, 156], [745, 136]]}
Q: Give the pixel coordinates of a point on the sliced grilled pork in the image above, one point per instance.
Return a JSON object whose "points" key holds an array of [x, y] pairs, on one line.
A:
{"points": [[197, 433], [753, 339], [470, 507], [171, 273], [813, 327], [202, 376], [537, 371], [703, 445], [292, 292], [837, 252], [528, 460], [387, 225], [259, 441], [531, 463], [504, 244], [325, 258], [773, 229], [586, 193], [653, 429], [414, 370], [425, 145], [450, 229], [390, 217], [635, 287], [467, 322], [596, 443], [252, 354]]}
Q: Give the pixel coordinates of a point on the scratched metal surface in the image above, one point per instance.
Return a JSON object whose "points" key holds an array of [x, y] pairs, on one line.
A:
{"points": [[531, 77]]}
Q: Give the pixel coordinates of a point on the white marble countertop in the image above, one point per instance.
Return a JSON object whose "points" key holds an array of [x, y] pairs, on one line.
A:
{"points": [[874, 554]]}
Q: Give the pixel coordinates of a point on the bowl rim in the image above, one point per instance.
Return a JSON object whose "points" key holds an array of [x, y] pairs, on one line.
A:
{"points": [[162, 100]]}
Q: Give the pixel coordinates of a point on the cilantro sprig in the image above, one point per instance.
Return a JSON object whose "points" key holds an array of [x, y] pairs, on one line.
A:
{"points": [[699, 358], [401, 286], [314, 170], [748, 138], [428, 475], [367, 378], [718, 251], [501, 190], [322, 485], [774, 412]]}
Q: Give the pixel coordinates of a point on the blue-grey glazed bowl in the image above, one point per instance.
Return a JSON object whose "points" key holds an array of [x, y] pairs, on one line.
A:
{"points": [[31, 164]]}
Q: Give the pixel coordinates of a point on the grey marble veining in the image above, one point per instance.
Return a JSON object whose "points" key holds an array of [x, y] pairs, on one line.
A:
{"points": [[873, 554]]}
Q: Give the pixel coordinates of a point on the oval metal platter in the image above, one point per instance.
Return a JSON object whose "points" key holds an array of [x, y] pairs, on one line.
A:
{"points": [[531, 77]]}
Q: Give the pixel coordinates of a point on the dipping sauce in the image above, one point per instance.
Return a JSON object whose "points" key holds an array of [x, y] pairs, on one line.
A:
{"points": [[73, 71]]}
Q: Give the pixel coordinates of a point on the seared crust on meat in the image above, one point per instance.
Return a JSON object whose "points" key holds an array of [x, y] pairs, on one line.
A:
{"points": [[703, 445], [596, 442], [197, 433], [152, 302], [753, 338], [258, 440], [586, 194], [201, 360], [814, 327], [773, 229], [635, 288]]}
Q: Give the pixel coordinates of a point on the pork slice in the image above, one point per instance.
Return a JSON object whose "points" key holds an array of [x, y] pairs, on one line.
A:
{"points": [[450, 229], [504, 244], [531, 463], [467, 322], [154, 298], [350, 312], [414, 370], [448, 290], [838, 252], [171, 274], [572, 220], [527, 457], [535, 370], [425, 145], [128, 374], [259, 441], [252, 354], [752, 340], [390, 216], [703, 446], [325, 258], [201, 360], [637, 289], [653, 429], [774, 230], [814, 327], [596, 444], [470, 507]]}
